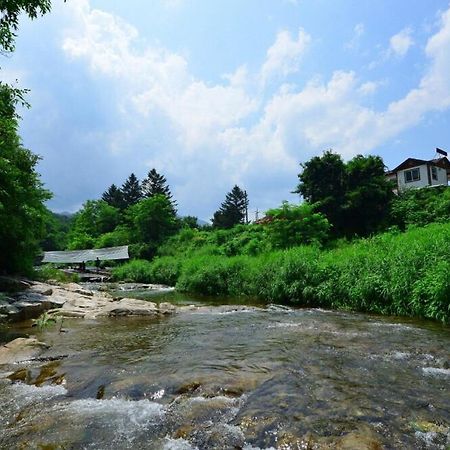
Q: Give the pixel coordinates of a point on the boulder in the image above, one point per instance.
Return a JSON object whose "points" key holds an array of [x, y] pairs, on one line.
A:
{"points": [[167, 308], [21, 349], [130, 307]]}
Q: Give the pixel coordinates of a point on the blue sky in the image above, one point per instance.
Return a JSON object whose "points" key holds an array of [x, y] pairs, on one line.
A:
{"points": [[215, 93]]}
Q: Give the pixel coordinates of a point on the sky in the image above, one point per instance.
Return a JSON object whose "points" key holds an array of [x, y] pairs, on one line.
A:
{"points": [[213, 93]]}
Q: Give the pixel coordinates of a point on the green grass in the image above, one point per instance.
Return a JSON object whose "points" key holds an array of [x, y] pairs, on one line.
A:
{"points": [[49, 272], [394, 273]]}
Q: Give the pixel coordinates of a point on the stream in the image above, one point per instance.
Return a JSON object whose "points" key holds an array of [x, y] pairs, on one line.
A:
{"points": [[261, 378]]}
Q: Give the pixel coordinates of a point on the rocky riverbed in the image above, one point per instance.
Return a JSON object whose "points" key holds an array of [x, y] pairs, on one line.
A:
{"points": [[32, 298]]}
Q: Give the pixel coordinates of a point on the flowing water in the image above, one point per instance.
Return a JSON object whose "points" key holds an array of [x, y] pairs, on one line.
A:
{"points": [[257, 378]]}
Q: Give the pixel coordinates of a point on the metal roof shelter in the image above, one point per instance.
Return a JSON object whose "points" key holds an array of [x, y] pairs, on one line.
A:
{"points": [[79, 256]]}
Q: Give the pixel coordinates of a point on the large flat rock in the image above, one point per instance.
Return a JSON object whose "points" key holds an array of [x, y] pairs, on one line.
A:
{"points": [[21, 349]]}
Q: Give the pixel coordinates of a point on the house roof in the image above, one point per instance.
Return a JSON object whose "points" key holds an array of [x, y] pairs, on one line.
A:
{"points": [[444, 163]]}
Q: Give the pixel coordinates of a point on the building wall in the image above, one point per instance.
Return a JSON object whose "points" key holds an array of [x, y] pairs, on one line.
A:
{"points": [[423, 182], [442, 177]]}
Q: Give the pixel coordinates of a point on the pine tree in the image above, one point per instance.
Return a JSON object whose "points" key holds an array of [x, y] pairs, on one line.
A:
{"points": [[156, 184], [114, 197], [233, 210], [131, 191]]}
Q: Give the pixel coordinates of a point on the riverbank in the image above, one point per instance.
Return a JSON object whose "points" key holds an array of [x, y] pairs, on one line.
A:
{"points": [[404, 274]]}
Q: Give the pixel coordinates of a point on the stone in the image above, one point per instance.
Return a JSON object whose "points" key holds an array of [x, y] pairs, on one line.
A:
{"points": [[10, 284], [167, 308], [131, 307], [41, 288], [21, 349]]}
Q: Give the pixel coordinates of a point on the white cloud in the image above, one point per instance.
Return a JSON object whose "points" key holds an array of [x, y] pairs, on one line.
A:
{"points": [[224, 133], [284, 56], [358, 32], [401, 42]]}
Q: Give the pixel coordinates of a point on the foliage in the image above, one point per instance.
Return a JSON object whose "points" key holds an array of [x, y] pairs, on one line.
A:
{"points": [[114, 197], [368, 196], [9, 21], [50, 272], [22, 194], [44, 321], [135, 271], [355, 197], [152, 219], [131, 191], [233, 210], [120, 236], [94, 219], [419, 207], [293, 225], [57, 227], [392, 273], [322, 183], [156, 184]]}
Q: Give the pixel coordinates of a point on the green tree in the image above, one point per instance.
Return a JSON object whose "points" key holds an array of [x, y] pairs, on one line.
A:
{"points": [[323, 183], [368, 196], [233, 210], [114, 197], [152, 220], [57, 227], [293, 225], [22, 196], [94, 219], [131, 191], [156, 184]]}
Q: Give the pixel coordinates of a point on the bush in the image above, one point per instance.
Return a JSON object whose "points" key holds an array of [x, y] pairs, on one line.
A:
{"points": [[135, 271]]}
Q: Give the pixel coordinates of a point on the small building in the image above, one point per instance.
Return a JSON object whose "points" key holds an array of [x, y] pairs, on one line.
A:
{"points": [[419, 173]]}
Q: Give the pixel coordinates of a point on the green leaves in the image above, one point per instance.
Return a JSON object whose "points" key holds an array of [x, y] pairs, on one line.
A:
{"points": [[233, 210], [9, 21]]}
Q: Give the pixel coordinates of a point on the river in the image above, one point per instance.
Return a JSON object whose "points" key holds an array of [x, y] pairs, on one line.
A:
{"points": [[261, 378]]}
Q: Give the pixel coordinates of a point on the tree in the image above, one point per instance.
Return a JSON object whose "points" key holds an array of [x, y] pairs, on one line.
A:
{"points": [[368, 196], [233, 210], [22, 196], [355, 196], [156, 184], [131, 191], [94, 219], [114, 197], [152, 220], [322, 183]]}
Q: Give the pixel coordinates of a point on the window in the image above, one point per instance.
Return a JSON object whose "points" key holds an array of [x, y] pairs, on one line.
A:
{"points": [[434, 173], [412, 175]]}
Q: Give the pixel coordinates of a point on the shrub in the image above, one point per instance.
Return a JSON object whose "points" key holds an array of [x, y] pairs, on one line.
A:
{"points": [[135, 271]]}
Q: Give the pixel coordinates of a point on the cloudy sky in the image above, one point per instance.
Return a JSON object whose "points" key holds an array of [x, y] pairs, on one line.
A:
{"points": [[214, 93]]}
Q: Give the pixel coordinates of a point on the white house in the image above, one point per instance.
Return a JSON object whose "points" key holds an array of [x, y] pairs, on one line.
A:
{"points": [[419, 173]]}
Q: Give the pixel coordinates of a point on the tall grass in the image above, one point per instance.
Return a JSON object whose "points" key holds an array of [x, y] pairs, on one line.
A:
{"points": [[394, 273]]}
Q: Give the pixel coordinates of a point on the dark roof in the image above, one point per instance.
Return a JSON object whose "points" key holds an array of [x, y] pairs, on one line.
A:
{"points": [[413, 162]]}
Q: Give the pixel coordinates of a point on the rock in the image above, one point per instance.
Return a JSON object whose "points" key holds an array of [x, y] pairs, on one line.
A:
{"points": [[131, 307], [359, 441], [21, 349], [41, 288], [10, 284], [167, 308]]}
